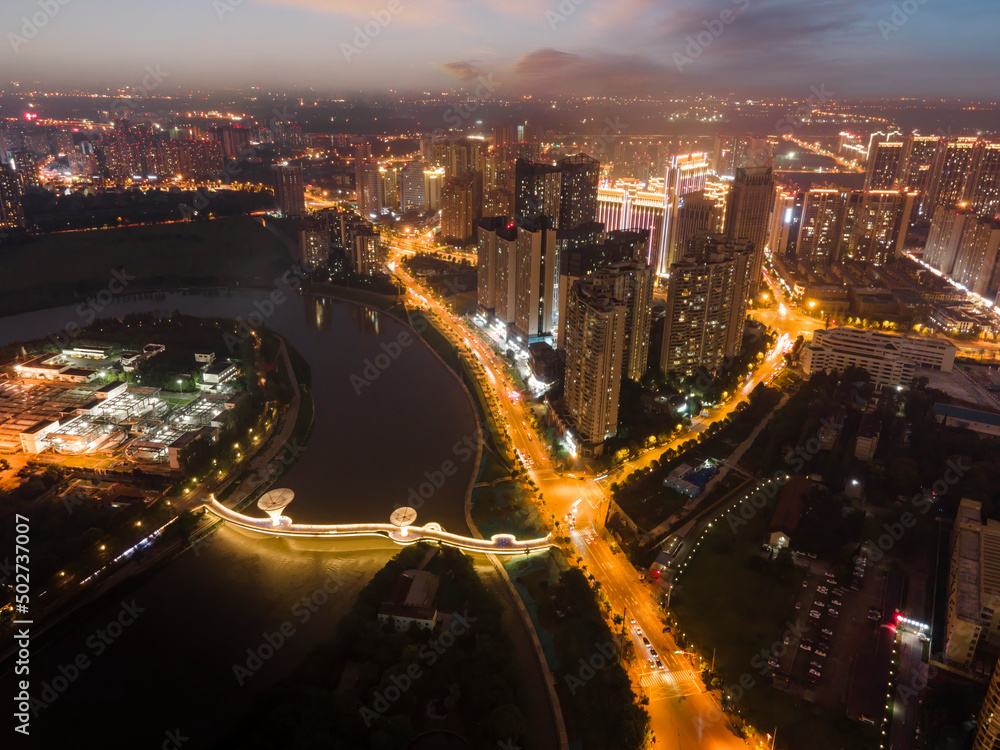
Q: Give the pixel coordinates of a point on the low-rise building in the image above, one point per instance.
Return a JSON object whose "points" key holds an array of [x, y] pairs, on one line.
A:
{"points": [[788, 512], [411, 603], [983, 422]]}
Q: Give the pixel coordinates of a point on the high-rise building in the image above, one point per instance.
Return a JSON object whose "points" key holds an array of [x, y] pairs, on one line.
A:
{"points": [[988, 726], [461, 199], [947, 226], [954, 170], [235, 140], [367, 255], [496, 254], [885, 164], [976, 256], [973, 585], [536, 284], [537, 191], [390, 177], [26, 167], [874, 224], [412, 186], [433, 183], [695, 215], [595, 332], [707, 298], [11, 210], [367, 181], [685, 174], [314, 244], [630, 206], [578, 202], [631, 283], [985, 194], [819, 230], [748, 214], [290, 191], [918, 172], [786, 217]]}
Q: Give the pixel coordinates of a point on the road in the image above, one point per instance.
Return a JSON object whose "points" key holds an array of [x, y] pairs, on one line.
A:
{"points": [[681, 710]]}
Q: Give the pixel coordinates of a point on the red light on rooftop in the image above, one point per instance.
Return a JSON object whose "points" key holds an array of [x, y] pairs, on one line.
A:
{"points": [[29, 116], [511, 225]]}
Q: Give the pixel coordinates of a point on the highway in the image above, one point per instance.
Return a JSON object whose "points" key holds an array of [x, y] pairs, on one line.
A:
{"points": [[680, 709]]}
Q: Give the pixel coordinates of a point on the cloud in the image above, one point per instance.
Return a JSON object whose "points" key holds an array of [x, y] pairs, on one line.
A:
{"points": [[552, 71], [465, 70]]}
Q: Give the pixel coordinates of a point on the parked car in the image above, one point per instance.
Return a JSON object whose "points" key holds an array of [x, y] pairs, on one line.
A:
{"points": [[814, 614], [820, 651], [805, 646], [815, 673], [828, 632], [822, 590]]}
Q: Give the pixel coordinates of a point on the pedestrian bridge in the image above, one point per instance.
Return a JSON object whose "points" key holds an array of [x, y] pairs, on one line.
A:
{"points": [[498, 544]]}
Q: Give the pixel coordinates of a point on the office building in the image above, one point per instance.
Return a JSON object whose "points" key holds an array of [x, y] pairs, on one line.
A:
{"points": [[707, 298], [11, 210], [973, 615], [496, 253], [536, 282], [685, 174], [578, 199], [890, 360], [595, 331], [748, 215], [461, 201], [537, 191], [412, 194], [290, 191], [629, 205]]}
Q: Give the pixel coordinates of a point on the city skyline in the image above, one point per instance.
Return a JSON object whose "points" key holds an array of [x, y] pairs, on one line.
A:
{"points": [[586, 47]]}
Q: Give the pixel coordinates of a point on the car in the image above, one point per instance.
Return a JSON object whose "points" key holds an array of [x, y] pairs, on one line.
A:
{"points": [[822, 590], [638, 630], [787, 639], [798, 605], [772, 662], [805, 583], [836, 603], [818, 665], [649, 662], [645, 642], [814, 614], [828, 632], [820, 651], [833, 612], [815, 673], [653, 651], [805, 646], [840, 591], [632, 621], [659, 664]]}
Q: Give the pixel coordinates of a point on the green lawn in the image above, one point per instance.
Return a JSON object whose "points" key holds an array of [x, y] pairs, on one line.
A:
{"points": [[729, 602], [68, 267]]}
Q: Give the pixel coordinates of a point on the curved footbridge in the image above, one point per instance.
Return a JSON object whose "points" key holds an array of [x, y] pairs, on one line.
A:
{"points": [[400, 529]]}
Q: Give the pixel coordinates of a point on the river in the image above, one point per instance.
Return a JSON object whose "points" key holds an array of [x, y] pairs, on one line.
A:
{"points": [[170, 666]]}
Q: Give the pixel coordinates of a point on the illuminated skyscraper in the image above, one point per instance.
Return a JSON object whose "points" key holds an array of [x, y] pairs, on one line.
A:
{"points": [[578, 201], [874, 224], [11, 211], [988, 726], [685, 174], [536, 283], [461, 199], [496, 253], [537, 191], [953, 172], [707, 298], [947, 226], [918, 173], [976, 257], [595, 333], [819, 230], [985, 194], [630, 283], [748, 214], [885, 165], [412, 186], [290, 191], [433, 183], [629, 206], [367, 181]]}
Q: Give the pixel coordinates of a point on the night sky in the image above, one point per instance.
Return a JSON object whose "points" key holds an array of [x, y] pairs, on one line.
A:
{"points": [[943, 48]]}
